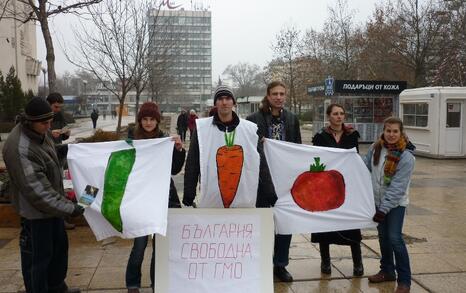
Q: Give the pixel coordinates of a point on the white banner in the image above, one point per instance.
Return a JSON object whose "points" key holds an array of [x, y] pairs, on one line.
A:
{"points": [[216, 250], [137, 180], [336, 195]]}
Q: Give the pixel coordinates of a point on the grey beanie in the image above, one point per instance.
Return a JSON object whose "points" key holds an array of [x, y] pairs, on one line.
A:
{"points": [[223, 90]]}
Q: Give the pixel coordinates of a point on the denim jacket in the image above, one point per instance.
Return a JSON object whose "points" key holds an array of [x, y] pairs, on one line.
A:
{"points": [[395, 194]]}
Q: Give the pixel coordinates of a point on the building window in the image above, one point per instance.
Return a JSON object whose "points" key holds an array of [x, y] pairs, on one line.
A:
{"points": [[453, 115], [415, 114]]}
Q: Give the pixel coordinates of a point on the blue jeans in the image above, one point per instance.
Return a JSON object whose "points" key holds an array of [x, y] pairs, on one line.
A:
{"points": [[133, 269], [44, 255], [392, 243], [281, 250]]}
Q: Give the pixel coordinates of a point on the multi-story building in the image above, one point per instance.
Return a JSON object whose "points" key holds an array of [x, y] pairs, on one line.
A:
{"points": [[181, 58], [18, 47]]}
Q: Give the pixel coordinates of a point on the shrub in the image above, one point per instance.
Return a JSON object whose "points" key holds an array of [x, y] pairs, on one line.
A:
{"points": [[101, 136]]}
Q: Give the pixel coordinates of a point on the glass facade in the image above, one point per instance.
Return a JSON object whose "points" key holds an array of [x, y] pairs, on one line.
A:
{"points": [[181, 53], [364, 113]]}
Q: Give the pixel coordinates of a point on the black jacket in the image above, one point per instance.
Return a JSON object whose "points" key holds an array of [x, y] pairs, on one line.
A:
{"points": [[266, 196], [292, 133], [348, 140], [59, 122], [264, 122], [178, 159]]}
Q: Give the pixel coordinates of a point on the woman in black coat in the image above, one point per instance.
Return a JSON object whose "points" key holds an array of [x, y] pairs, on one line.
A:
{"points": [[338, 135], [149, 118]]}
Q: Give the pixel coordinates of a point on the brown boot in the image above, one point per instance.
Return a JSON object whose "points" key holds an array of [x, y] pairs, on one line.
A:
{"points": [[381, 277], [402, 289]]}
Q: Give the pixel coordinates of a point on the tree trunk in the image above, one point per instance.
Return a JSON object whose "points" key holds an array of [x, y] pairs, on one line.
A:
{"points": [[138, 94], [50, 56], [120, 112]]}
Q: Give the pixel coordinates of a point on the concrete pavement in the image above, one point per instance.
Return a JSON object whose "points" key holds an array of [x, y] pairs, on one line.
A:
{"points": [[434, 230]]}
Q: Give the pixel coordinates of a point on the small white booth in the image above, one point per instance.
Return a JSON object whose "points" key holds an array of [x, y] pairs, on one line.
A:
{"points": [[435, 120]]}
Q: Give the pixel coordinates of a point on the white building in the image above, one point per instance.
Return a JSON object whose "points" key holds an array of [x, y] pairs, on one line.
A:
{"points": [[18, 48], [434, 120]]}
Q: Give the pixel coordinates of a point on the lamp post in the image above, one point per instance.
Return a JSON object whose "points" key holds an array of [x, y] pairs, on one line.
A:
{"points": [[44, 71], [84, 92]]}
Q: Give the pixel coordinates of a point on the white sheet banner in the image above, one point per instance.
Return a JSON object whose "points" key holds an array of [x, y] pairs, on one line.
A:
{"points": [[132, 185], [319, 189], [216, 250]]}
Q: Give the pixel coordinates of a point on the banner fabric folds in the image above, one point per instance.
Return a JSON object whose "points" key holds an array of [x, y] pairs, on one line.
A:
{"points": [[319, 189], [132, 184]]}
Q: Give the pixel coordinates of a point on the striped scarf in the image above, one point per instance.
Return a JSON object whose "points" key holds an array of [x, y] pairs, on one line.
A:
{"points": [[394, 152]]}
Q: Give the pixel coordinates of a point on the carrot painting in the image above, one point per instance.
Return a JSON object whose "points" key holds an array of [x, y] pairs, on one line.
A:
{"points": [[229, 166]]}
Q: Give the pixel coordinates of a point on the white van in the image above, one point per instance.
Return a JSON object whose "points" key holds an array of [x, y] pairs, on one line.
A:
{"points": [[435, 121]]}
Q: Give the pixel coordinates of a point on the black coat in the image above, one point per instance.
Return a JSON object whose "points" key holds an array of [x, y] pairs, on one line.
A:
{"points": [[59, 122], [264, 122], [266, 196], [348, 140]]}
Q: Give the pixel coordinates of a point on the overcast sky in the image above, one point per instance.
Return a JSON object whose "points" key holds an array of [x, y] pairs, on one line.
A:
{"points": [[242, 30]]}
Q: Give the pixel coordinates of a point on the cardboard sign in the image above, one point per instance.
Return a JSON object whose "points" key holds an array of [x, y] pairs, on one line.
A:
{"points": [[215, 250]]}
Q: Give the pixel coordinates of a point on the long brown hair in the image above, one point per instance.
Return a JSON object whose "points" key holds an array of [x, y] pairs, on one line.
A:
{"points": [[265, 105], [379, 143]]}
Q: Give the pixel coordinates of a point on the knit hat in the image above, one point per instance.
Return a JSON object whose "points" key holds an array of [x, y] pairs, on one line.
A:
{"points": [[38, 110], [149, 109], [221, 91]]}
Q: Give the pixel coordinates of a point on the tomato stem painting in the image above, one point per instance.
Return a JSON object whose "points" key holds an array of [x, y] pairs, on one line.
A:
{"points": [[229, 159], [318, 190]]}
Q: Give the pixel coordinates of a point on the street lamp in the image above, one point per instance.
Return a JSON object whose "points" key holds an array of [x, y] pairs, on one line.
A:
{"points": [[84, 92], [44, 71]]}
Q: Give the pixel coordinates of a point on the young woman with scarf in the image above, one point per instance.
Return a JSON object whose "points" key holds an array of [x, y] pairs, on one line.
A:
{"points": [[149, 118], [391, 163], [338, 135]]}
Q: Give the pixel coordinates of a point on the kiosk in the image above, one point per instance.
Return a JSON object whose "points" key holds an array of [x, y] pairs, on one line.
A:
{"points": [[434, 120], [367, 103]]}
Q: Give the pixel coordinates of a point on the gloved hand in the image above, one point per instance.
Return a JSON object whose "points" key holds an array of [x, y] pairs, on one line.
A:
{"points": [[78, 211], [379, 216]]}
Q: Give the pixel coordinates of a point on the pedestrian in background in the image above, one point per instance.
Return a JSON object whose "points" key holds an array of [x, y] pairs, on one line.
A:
{"points": [[338, 135], [192, 122], [182, 124], [147, 127], [36, 187], [391, 163], [275, 122], [94, 117]]}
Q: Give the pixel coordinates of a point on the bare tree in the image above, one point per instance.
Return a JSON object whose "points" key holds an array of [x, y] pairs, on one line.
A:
{"points": [[339, 40], [418, 33], [246, 78], [115, 47], [42, 11], [286, 48], [451, 67]]}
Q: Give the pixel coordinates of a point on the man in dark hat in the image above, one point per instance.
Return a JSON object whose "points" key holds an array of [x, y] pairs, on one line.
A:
{"points": [[38, 196], [211, 134]]}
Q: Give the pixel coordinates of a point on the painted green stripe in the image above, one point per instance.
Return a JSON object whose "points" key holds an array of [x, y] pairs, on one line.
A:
{"points": [[118, 169]]}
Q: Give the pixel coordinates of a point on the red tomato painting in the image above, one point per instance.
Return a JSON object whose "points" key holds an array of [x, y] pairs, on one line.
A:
{"points": [[318, 190]]}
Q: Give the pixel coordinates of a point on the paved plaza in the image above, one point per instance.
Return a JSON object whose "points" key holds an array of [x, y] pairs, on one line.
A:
{"points": [[434, 231]]}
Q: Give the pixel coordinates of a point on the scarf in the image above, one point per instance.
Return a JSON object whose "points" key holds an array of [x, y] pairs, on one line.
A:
{"points": [[392, 159]]}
